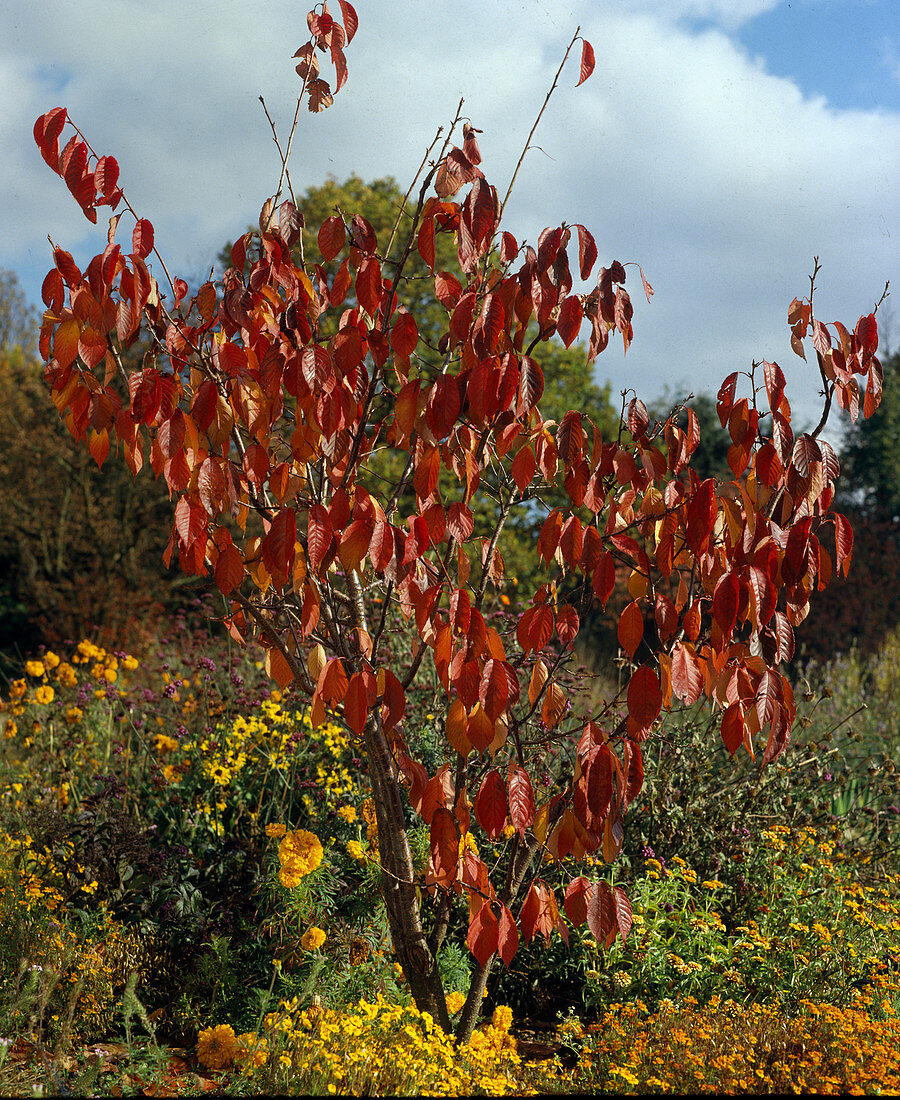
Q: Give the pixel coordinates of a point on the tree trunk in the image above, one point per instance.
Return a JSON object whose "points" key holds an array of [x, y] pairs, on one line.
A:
{"points": [[398, 881]]}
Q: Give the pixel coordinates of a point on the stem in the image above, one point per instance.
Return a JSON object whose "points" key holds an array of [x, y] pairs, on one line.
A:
{"points": [[397, 869], [537, 120]]}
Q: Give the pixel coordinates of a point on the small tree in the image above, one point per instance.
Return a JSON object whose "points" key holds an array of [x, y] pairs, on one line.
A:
{"points": [[268, 397]]}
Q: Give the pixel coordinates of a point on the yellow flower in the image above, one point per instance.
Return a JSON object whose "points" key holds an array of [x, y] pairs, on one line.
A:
{"points": [[356, 851], [130, 663], [312, 939], [502, 1018], [17, 689], [165, 744], [50, 659], [217, 1046], [276, 828], [348, 814], [43, 695], [455, 1001], [299, 853], [34, 668], [467, 841], [250, 1051]]}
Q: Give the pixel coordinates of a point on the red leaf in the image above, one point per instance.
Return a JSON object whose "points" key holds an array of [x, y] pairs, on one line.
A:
{"points": [[229, 568], [447, 289], [509, 936], [725, 399], [701, 516], [142, 238], [360, 696], [604, 578], [317, 367], [332, 682], [460, 523], [687, 679], [567, 624], [601, 915], [867, 334], [499, 688], [843, 542], [278, 544], [319, 536], [523, 468], [733, 727], [368, 285], [578, 897], [404, 334], [587, 252], [443, 405], [568, 322], [644, 697], [587, 61], [46, 133], [490, 804], [624, 917], [630, 630], [521, 800], [444, 846], [531, 386], [425, 242], [484, 934], [351, 19], [332, 237], [725, 602]]}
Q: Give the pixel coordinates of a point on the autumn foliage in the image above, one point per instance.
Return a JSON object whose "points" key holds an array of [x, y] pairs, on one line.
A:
{"points": [[269, 397]]}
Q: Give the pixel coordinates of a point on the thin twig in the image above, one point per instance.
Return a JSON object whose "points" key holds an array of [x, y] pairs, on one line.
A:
{"points": [[575, 37]]}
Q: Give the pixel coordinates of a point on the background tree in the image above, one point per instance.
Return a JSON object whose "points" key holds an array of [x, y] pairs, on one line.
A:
{"points": [[273, 395], [862, 609]]}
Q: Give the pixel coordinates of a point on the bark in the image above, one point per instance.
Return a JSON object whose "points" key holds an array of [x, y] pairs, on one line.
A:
{"points": [[398, 882]]}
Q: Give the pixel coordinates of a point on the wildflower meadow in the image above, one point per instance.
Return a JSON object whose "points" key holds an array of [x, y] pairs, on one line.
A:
{"points": [[191, 900]]}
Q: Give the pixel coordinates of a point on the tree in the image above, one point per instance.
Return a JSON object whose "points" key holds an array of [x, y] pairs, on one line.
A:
{"points": [[870, 457], [18, 320], [863, 609], [266, 399]]}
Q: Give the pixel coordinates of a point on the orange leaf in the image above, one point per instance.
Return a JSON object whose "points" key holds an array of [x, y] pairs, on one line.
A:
{"points": [[631, 628]]}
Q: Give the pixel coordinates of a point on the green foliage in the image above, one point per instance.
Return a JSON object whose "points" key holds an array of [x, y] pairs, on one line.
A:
{"points": [[870, 457]]}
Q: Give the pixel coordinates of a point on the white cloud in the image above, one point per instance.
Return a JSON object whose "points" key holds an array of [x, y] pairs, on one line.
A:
{"points": [[681, 152]]}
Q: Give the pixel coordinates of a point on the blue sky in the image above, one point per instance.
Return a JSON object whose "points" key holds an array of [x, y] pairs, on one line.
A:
{"points": [[720, 143], [845, 50]]}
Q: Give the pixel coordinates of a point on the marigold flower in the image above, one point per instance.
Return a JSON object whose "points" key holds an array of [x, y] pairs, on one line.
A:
{"points": [[217, 1046], [502, 1018], [44, 695], [251, 1051], [276, 828], [50, 659], [34, 668], [312, 939], [455, 1001], [356, 851], [299, 853], [17, 689], [347, 813]]}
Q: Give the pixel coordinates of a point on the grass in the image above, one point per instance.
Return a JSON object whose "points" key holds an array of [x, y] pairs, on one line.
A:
{"points": [[189, 903]]}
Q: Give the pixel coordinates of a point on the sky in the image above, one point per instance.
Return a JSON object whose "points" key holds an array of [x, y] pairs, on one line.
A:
{"points": [[721, 144]]}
